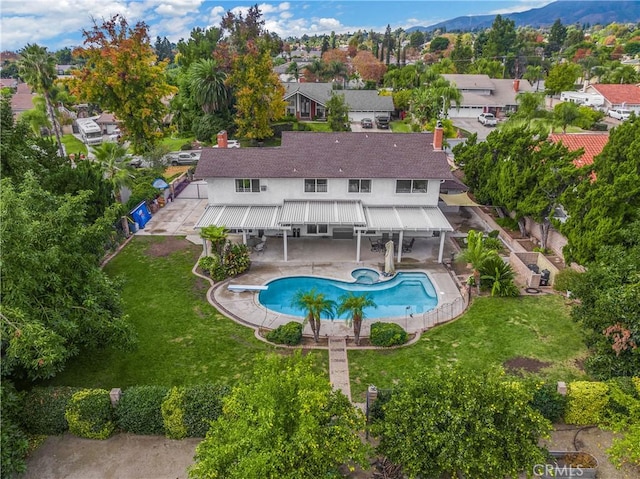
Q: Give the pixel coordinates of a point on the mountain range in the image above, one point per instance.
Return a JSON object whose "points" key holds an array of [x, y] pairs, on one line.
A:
{"points": [[569, 12]]}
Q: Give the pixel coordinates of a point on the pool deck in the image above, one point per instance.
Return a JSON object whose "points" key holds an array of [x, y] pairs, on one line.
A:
{"points": [[245, 306]]}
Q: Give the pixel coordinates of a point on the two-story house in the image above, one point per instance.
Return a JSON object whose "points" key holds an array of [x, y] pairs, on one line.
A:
{"points": [[331, 185]]}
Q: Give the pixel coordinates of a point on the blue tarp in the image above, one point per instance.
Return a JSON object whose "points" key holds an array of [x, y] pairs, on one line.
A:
{"points": [[141, 214], [160, 184]]}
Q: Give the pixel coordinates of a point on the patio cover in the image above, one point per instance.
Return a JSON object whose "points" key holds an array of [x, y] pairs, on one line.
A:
{"points": [[326, 212], [406, 218], [241, 217], [459, 199]]}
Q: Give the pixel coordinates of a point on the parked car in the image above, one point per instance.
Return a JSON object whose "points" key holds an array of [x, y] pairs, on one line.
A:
{"points": [[184, 158], [382, 122], [231, 144], [487, 119], [366, 123], [136, 162], [620, 113]]}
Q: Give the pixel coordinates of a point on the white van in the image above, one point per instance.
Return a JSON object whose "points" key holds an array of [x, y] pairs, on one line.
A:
{"points": [[619, 114]]}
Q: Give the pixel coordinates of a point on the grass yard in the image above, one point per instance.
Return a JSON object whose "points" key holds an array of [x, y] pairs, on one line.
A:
{"points": [[73, 145], [181, 338], [399, 126], [318, 125], [174, 144], [491, 332]]}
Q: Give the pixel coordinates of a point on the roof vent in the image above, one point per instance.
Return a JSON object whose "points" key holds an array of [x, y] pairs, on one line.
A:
{"points": [[340, 170], [294, 170], [337, 141], [395, 146]]}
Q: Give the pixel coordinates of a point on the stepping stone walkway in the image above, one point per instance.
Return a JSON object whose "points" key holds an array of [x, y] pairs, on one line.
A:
{"points": [[339, 365]]}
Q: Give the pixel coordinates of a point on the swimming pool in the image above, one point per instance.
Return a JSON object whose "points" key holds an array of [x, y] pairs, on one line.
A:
{"points": [[405, 293]]}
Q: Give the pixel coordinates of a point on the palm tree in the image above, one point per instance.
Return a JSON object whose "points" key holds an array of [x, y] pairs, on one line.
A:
{"points": [[294, 69], [315, 304], [217, 235], [354, 306], [38, 69], [315, 69], [111, 157], [500, 275], [207, 85], [476, 254]]}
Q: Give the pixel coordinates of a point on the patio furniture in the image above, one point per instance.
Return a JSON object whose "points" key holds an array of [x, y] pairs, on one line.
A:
{"points": [[407, 246], [375, 244], [260, 247]]}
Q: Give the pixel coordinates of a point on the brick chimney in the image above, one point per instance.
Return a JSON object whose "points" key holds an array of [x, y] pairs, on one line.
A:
{"points": [[516, 85], [222, 139], [438, 135]]}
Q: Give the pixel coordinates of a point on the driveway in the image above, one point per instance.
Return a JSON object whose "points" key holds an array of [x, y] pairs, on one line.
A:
{"points": [[472, 126]]}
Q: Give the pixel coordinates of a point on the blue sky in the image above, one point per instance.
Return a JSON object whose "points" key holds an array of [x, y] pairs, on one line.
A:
{"points": [[59, 23]]}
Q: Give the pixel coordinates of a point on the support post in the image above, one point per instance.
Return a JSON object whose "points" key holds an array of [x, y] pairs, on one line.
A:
{"points": [[400, 240], [284, 243], [358, 243], [244, 237], [441, 251]]}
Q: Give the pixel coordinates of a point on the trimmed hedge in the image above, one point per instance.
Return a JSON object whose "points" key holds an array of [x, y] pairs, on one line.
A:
{"points": [[202, 405], [548, 402], [290, 333], [586, 402], [387, 334], [43, 410], [90, 415], [139, 410], [173, 413]]}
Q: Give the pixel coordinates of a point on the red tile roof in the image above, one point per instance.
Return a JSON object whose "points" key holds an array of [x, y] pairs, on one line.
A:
{"points": [[331, 155], [618, 94], [593, 144]]}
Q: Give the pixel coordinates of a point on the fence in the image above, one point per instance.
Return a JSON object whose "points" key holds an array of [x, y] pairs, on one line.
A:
{"points": [[443, 313]]}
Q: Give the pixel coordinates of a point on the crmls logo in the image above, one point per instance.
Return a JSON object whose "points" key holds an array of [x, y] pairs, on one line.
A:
{"points": [[553, 470]]}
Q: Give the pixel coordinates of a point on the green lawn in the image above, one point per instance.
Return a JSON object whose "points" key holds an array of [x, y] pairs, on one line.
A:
{"points": [[181, 338], [174, 144], [73, 145], [492, 331], [399, 126], [318, 125]]}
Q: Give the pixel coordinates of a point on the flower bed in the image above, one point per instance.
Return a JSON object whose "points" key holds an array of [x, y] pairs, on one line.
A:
{"points": [[568, 464]]}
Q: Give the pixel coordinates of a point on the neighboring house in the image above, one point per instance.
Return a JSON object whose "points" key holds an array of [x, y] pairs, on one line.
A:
{"points": [[10, 83], [329, 185], [593, 144], [307, 101], [107, 123], [281, 71], [22, 99], [617, 96], [481, 94]]}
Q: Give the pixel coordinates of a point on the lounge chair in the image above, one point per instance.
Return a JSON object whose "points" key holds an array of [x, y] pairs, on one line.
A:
{"points": [[260, 247], [375, 245]]}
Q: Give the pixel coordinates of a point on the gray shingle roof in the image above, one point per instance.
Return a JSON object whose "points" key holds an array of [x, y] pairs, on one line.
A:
{"points": [[331, 155], [357, 100]]}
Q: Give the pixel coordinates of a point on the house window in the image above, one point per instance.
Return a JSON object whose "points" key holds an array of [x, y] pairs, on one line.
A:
{"points": [[246, 185], [411, 186], [319, 229], [359, 186], [291, 106], [305, 107], [320, 112], [313, 185]]}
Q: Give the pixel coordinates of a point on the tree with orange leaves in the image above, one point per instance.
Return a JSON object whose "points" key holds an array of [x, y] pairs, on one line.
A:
{"points": [[122, 76], [368, 66]]}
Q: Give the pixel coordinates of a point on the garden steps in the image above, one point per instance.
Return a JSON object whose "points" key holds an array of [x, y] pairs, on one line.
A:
{"points": [[339, 365]]}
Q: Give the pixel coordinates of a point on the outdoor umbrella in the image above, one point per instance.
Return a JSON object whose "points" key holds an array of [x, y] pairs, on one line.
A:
{"points": [[389, 266]]}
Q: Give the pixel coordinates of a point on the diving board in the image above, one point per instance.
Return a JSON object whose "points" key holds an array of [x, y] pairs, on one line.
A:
{"points": [[239, 288]]}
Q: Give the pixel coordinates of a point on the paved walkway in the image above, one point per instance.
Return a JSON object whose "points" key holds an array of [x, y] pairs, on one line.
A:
{"points": [[339, 365]]}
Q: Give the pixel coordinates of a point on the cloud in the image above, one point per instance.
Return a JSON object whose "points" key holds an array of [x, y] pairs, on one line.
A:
{"points": [[521, 6]]}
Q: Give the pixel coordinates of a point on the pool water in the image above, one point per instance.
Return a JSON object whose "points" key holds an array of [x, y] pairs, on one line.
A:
{"points": [[365, 276], [405, 293]]}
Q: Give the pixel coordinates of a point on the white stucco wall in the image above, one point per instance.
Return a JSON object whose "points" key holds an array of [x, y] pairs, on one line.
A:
{"points": [[223, 191]]}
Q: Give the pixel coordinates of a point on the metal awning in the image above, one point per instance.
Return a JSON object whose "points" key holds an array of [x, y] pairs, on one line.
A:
{"points": [[406, 218], [240, 217], [459, 199], [324, 212]]}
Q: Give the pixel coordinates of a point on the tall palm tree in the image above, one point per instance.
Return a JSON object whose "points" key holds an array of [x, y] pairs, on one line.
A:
{"points": [[111, 157], [38, 69], [208, 85], [315, 69], [315, 304], [354, 305], [217, 235]]}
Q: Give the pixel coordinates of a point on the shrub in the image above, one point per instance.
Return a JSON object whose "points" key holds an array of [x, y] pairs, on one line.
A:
{"points": [[208, 263], [44, 410], [236, 259], [90, 415], [139, 410], [491, 243], [565, 280], [13, 441], [186, 146], [376, 412], [586, 402], [202, 405], [494, 233], [290, 333], [173, 413], [548, 402], [508, 222], [387, 334]]}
